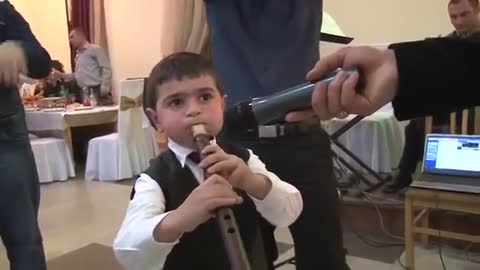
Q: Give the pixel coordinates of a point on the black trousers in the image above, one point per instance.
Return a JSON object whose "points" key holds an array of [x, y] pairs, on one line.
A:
{"points": [[412, 150], [19, 197], [306, 162]]}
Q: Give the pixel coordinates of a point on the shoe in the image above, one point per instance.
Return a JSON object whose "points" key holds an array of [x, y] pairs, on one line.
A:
{"points": [[400, 182]]}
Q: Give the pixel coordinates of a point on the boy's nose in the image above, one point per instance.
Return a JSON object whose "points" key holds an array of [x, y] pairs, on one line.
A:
{"points": [[193, 109], [193, 113]]}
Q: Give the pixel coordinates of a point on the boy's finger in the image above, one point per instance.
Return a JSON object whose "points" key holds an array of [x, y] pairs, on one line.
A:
{"points": [[219, 167], [209, 149], [212, 159], [216, 203], [216, 179]]}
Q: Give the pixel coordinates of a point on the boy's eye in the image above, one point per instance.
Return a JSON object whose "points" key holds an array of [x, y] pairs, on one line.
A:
{"points": [[175, 102], [206, 97]]}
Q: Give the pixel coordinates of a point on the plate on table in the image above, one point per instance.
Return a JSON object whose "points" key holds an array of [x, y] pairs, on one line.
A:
{"points": [[83, 108], [30, 109], [51, 98], [53, 110]]}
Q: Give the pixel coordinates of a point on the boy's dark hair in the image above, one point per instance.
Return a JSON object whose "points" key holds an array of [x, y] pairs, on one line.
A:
{"points": [[176, 66]]}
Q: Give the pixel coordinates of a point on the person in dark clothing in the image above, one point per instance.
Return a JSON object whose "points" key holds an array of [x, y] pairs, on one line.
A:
{"points": [[259, 48], [464, 16], [20, 52]]}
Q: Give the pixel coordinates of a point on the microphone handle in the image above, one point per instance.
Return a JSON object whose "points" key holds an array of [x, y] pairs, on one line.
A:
{"points": [[227, 224], [295, 98]]}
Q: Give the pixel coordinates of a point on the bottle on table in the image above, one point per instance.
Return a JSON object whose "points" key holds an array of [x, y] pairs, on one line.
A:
{"points": [[92, 98], [86, 96]]}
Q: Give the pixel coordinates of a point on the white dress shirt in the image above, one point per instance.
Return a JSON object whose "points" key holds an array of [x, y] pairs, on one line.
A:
{"points": [[135, 247]]}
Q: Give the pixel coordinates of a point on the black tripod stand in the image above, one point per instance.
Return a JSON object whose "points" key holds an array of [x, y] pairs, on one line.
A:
{"points": [[335, 140]]}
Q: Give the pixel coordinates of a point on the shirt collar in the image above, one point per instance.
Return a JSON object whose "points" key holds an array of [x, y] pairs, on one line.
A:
{"points": [[84, 47], [181, 152]]}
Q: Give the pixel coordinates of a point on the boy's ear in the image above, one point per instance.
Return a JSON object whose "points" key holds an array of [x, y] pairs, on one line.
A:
{"points": [[224, 102], [152, 116]]}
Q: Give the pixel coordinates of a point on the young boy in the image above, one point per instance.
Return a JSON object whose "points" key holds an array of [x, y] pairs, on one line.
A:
{"points": [[169, 224]]}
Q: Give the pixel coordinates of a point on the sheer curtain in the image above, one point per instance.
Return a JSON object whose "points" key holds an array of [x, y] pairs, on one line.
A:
{"points": [[98, 30], [78, 15], [185, 26]]}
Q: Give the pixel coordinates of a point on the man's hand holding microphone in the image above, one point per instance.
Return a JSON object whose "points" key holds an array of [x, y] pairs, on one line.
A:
{"points": [[345, 94]]}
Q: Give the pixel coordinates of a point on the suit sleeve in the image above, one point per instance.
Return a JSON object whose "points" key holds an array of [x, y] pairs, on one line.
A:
{"points": [[436, 75], [17, 29]]}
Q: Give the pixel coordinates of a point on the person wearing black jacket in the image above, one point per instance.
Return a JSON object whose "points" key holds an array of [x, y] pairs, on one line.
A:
{"points": [[464, 18], [420, 78], [20, 52]]}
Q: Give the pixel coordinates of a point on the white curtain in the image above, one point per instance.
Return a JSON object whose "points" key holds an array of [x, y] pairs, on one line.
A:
{"points": [[98, 30], [185, 26]]}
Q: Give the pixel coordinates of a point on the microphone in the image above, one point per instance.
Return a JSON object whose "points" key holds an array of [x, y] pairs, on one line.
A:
{"points": [[249, 115]]}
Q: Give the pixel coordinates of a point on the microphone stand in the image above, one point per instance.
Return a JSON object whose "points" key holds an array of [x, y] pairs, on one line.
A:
{"points": [[224, 216]]}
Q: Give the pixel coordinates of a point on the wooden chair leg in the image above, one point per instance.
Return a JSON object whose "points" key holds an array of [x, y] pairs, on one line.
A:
{"points": [[409, 242], [453, 122], [428, 125], [465, 121], [425, 224]]}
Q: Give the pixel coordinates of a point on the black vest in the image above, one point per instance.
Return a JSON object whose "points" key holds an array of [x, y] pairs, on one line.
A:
{"points": [[203, 248]]}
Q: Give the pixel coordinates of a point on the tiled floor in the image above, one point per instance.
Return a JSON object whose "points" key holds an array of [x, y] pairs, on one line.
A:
{"points": [[79, 220]]}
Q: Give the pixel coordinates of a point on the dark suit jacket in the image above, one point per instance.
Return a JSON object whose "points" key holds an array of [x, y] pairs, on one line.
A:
{"points": [[13, 27], [437, 75]]}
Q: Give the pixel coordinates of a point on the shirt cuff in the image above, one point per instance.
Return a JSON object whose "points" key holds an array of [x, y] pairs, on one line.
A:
{"points": [[283, 203]]}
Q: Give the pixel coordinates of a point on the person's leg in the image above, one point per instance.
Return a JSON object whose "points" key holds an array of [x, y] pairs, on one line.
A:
{"points": [[412, 154], [306, 162], [19, 198]]}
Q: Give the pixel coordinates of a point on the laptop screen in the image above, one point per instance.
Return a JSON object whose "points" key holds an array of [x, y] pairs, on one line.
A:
{"points": [[452, 154]]}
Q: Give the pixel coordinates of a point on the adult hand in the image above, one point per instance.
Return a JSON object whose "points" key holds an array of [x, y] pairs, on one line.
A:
{"points": [[346, 95], [12, 63]]}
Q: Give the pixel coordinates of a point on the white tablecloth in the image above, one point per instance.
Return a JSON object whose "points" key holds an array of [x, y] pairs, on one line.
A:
{"points": [[48, 121], [377, 140]]}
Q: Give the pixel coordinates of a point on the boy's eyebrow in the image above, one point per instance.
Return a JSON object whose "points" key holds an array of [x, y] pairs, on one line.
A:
{"points": [[174, 95], [181, 93], [204, 89]]}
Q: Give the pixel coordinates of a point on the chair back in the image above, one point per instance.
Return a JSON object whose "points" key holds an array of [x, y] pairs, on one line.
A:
{"points": [[133, 128]]}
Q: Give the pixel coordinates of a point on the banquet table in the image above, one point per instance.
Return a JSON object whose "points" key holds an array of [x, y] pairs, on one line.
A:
{"points": [[377, 140], [61, 120]]}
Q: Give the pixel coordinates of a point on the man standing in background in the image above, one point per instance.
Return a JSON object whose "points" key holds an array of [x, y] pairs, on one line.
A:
{"points": [[258, 48], [20, 52], [464, 16], [92, 69]]}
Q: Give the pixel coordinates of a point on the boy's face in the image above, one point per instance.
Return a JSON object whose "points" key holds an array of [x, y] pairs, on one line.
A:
{"points": [[185, 103]]}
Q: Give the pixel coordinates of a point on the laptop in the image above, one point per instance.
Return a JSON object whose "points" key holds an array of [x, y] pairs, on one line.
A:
{"points": [[451, 162]]}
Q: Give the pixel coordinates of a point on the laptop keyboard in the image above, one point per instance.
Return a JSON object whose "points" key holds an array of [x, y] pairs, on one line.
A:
{"points": [[451, 179]]}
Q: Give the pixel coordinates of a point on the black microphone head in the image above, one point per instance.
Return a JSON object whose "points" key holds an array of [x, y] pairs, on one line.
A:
{"points": [[240, 117]]}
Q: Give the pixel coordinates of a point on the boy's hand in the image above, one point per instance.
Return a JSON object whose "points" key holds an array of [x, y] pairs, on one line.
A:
{"points": [[229, 166], [201, 204], [235, 171]]}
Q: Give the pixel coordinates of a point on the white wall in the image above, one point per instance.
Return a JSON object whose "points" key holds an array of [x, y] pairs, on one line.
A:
{"points": [[48, 21], [379, 21], [387, 21]]}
